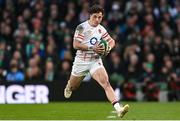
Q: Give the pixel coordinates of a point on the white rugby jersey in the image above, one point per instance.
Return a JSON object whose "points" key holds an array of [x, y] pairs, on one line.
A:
{"points": [[89, 35]]}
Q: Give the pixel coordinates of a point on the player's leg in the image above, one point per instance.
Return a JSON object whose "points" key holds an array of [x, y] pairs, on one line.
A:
{"points": [[100, 75], [73, 83], [78, 73]]}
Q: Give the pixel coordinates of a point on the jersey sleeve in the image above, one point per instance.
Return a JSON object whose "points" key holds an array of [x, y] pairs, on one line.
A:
{"points": [[105, 35], [79, 33]]}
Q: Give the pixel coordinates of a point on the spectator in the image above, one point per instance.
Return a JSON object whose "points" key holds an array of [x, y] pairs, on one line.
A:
{"points": [[147, 35], [14, 75], [132, 70], [174, 87], [115, 69], [65, 68], [129, 91], [49, 71], [33, 72]]}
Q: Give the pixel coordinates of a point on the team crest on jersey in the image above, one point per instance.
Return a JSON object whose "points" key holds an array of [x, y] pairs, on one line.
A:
{"points": [[99, 31]]}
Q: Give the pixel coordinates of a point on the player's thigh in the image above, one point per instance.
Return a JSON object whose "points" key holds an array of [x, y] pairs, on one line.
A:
{"points": [[75, 80], [101, 76]]}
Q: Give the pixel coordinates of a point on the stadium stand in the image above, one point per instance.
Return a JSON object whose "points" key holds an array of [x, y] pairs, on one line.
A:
{"points": [[36, 43]]}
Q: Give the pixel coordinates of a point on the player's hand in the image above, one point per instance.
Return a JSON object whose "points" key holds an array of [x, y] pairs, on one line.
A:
{"points": [[98, 49], [108, 50]]}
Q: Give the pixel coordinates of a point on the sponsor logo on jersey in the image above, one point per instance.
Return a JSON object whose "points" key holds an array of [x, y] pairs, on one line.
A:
{"points": [[93, 40]]}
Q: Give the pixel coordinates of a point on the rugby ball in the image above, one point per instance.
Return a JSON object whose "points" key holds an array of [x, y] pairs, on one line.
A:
{"points": [[104, 44]]}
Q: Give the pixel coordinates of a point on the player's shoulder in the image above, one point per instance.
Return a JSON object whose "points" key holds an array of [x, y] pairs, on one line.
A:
{"points": [[81, 26], [102, 27]]}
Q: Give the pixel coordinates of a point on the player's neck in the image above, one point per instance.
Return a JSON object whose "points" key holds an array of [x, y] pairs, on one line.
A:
{"points": [[91, 23]]}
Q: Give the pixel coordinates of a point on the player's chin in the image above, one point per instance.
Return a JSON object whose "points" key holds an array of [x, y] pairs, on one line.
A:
{"points": [[96, 24]]}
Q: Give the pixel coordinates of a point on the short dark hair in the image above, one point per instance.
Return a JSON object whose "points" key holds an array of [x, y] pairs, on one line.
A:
{"points": [[96, 9]]}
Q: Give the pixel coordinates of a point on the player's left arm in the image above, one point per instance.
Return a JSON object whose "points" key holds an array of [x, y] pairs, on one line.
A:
{"points": [[110, 40], [111, 43]]}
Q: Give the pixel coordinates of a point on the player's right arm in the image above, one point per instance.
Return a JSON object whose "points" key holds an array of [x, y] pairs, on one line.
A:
{"points": [[79, 46], [78, 39]]}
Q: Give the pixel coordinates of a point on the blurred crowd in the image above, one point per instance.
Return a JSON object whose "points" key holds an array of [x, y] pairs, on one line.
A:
{"points": [[36, 42]]}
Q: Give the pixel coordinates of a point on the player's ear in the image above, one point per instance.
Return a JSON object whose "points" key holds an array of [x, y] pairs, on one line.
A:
{"points": [[90, 16], [103, 15]]}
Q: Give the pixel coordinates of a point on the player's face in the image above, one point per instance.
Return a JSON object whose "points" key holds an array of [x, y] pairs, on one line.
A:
{"points": [[96, 18]]}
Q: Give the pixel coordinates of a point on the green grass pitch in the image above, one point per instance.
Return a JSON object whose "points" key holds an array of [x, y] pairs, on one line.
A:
{"points": [[89, 111]]}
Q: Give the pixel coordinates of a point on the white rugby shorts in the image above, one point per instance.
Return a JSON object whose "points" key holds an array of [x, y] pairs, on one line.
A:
{"points": [[82, 68]]}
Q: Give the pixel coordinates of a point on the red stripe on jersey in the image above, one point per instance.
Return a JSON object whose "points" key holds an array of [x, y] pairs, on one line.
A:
{"points": [[80, 38], [105, 35], [84, 56], [87, 57], [80, 35]]}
